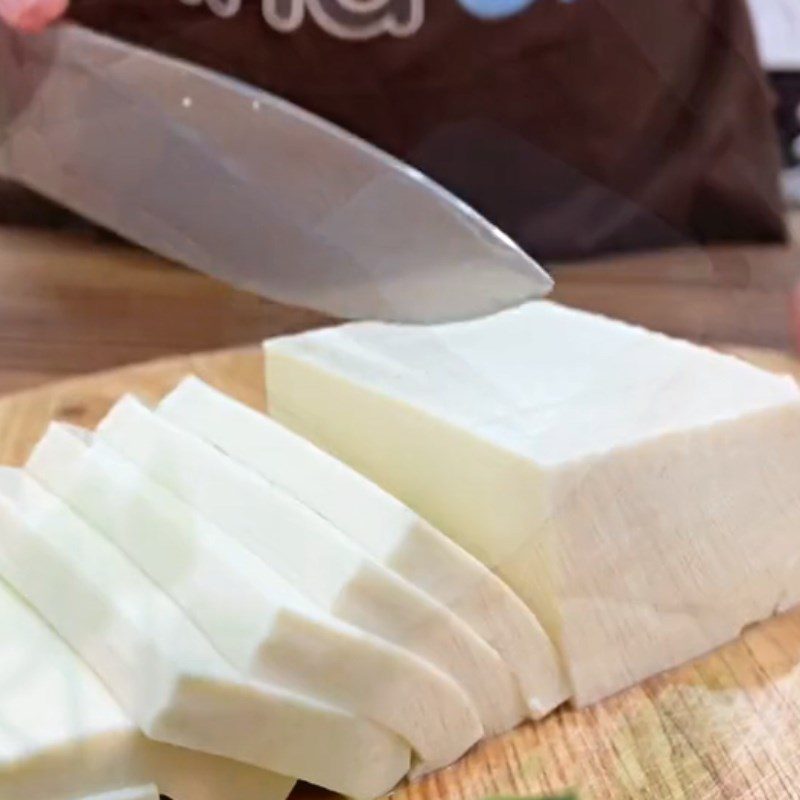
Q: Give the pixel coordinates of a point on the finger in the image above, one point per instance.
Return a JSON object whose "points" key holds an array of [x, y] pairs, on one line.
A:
{"points": [[31, 15]]}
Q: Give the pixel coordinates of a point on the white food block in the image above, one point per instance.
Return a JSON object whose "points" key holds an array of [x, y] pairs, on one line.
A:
{"points": [[322, 563], [640, 493], [383, 526], [159, 666], [63, 737], [257, 620]]}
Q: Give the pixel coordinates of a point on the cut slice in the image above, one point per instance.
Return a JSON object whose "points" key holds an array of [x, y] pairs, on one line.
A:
{"points": [[638, 492], [383, 526], [258, 621], [316, 558], [162, 670], [62, 735], [134, 793]]}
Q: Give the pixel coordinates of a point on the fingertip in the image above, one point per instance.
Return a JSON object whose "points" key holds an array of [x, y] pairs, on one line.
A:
{"points": [[32, 16]]}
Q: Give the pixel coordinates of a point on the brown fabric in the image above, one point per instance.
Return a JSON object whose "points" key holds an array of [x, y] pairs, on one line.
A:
{"points": [[578, 127]]}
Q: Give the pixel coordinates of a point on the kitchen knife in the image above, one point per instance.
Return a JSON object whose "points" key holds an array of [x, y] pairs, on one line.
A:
{"points": [[233, 181]]}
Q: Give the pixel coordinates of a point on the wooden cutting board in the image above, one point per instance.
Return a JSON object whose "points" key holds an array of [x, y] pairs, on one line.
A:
{"points": [[726, 726]]}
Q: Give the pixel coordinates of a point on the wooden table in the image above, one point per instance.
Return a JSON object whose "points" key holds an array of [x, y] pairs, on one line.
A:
{"points": [[70, 306]]}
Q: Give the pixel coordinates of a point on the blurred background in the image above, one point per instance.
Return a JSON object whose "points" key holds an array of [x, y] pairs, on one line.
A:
{"points": [[777, 29], [646, 152]]}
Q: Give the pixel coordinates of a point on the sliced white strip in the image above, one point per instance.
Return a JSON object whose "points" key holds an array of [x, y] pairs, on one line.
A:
{"points": [[62, 735], [134, 793], [319, 560], [161, 669], [383, 526], [258, 621]]}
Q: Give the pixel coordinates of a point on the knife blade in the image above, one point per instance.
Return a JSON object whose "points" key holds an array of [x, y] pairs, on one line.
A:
{"points": [[244, 186]]}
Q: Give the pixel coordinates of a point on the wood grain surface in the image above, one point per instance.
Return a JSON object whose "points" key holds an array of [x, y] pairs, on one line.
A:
{"points": [[72, 305], [725, 727]]}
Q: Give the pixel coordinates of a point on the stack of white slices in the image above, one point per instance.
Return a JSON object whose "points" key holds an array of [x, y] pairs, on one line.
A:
{"points": [[195, 597]]}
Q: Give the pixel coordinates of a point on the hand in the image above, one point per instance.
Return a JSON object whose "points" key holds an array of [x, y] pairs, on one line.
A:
{"points": [[31, 15]]}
